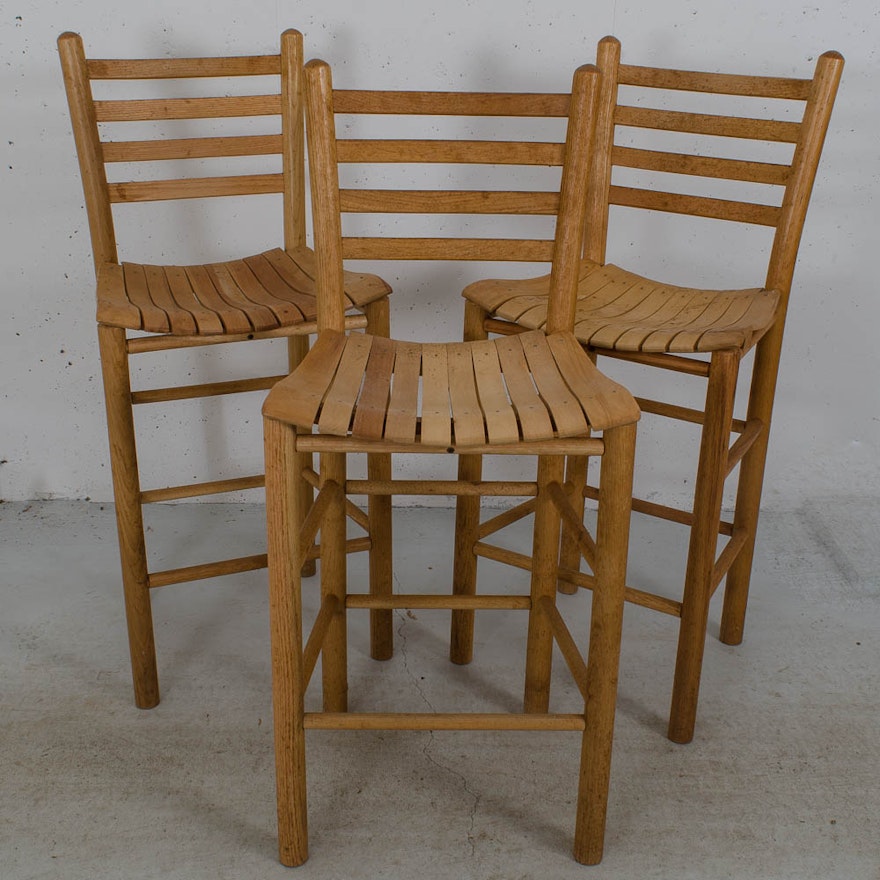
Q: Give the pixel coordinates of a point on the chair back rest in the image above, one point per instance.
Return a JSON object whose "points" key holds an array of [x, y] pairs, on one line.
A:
{"points": [[683, 145], [373, 163], [116, 165]]}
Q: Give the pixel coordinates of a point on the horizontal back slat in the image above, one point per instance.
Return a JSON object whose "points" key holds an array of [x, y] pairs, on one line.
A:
{"points": [[453, 152], [701, 123], [183, 68], [187, 108], [195, 188], [364, 201], [527, 250], [719, 83], [699, 206], [519, 150], [450, 103], [702, 166], [191, 148]]}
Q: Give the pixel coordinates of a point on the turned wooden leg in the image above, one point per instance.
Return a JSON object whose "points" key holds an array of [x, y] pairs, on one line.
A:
{"points": [[379, 510], [467, 521], [751, 481], [603, 660], [702, 551], [334, 563], [569, 552], [283, 519], [545, 555], [129, 515], [464, 568], [297, 349]]}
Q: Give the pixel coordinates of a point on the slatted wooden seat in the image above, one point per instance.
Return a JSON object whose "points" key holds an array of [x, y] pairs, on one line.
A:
{"points": [[449, 396], [623, 311], [255, 294], [121, 140], [657, 324], [533, 394]]}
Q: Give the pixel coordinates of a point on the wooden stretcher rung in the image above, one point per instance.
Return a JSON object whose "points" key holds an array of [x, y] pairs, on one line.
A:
{"points": [[503, 328], [727, 557], [508, 517], [676, 363], [662, 511], [352, 545], [440, 487], [573, 657], [565, 446], [312, 651], [682, 413], [501, 554], [440, 721], [352, 511], [314, 519], [208, 389], [196, 490], [583, 538], [167, 342], [631, 594], [206, 570], [447, 601], [750, 433]]}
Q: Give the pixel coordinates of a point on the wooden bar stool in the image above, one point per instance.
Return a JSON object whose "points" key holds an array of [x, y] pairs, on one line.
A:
{"points": [[144, 308], [533, 394], [687, 330]]}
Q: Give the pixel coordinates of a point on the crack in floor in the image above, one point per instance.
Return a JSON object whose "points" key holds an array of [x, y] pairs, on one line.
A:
{"points": [[430, 742]]}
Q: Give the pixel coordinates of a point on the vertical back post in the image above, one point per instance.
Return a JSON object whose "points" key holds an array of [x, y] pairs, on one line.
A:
{"points": [[321, 133], [572, 200], [88, 147]]}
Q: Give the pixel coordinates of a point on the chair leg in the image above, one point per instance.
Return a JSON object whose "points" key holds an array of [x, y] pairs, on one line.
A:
{"points": [[334, 562], [464, 568], [379, 515], [545, 556], [569, 552], [129, 515], [467, 520], [702, 551], [612, 537], [751, 480], [297, 349], [284, 518], [748, 502], [575, 478]]}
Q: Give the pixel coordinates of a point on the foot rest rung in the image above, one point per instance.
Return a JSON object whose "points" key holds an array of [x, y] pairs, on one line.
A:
{"points": [[440, 721], [447, 601]]}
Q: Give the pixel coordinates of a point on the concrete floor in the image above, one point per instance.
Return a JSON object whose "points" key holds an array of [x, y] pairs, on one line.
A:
{"points": [[782, 780]]}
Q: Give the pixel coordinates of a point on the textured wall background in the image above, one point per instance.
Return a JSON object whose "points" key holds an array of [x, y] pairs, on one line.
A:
{"points": [[52, 441]]}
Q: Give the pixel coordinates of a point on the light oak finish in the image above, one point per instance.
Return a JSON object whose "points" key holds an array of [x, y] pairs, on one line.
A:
{"points": [[684, 329], [261, 296], [533, 393]]}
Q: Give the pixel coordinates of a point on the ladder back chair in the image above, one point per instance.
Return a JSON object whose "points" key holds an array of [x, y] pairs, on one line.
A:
{"points": [[535, 395], [691, 331], [145, 308]]}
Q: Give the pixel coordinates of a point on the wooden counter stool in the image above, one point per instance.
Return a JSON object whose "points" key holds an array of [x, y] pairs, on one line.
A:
{"points": [[688, 330], [158, 308], [534, 394]]}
